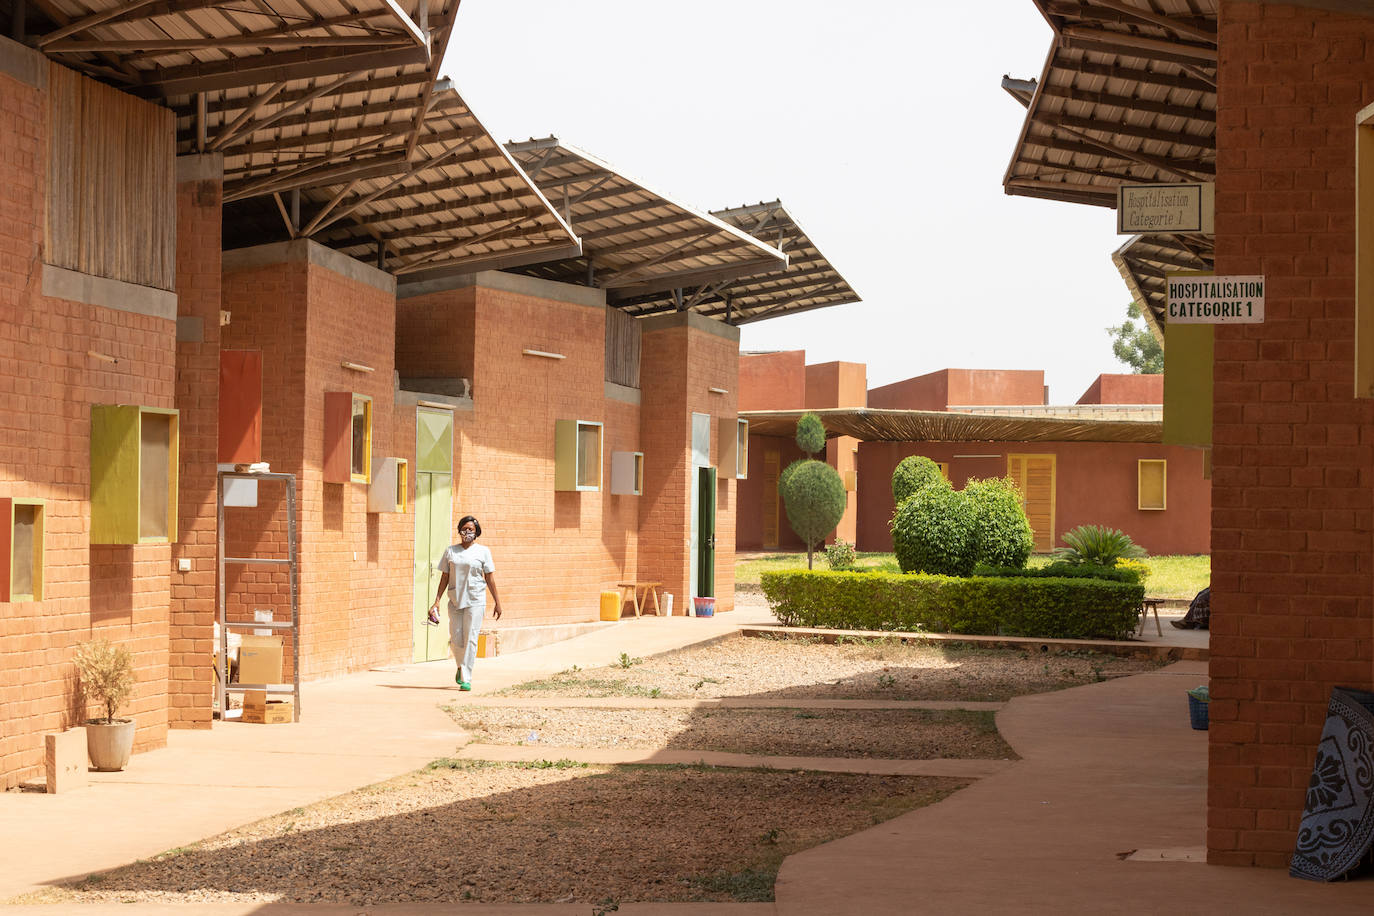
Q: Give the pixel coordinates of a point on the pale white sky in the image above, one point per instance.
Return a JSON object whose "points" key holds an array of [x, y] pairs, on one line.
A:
{"points": [[880, 124]]}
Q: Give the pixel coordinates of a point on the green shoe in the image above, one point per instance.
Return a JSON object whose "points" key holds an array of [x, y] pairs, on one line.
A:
{"points": [[464, 685]]}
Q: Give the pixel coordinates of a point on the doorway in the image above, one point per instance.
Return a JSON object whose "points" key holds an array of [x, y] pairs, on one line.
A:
{"points": [[433, 521]]}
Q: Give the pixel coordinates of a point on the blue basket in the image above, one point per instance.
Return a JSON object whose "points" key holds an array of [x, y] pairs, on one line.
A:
{"points": [[1197, 712], [704, 607]]}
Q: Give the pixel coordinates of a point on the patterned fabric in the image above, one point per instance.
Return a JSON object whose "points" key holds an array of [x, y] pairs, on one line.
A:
{"points": [[1199, 616], [1338, 820]]}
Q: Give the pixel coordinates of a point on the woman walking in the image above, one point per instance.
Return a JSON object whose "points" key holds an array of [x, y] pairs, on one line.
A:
{"points": [[468, 574]]}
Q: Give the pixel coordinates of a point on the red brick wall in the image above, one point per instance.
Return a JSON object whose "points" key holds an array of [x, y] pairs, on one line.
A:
{"points": [[1291, 561], [1125, 389], [925, 392], [355, 566], [771, 381], [47, 386], [963, 388], [192, 608], [688, 360], [1096, 484], [555, 552]]}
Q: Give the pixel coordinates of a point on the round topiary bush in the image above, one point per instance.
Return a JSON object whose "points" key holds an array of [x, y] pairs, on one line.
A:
{"points": [[912, 473], [934, 531], [810, 433], [1003, 533], [814, 497]]}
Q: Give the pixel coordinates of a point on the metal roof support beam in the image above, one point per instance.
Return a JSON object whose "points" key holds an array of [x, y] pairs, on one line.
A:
{"points": [[143, 48], [630, 288], [1081, 194], [685, 237], [1051, 141], [261, 99], [313, 174], [428, 163], [1080, 36], [1164, 165], [509, 226], [1178, 138], [1167, 23], [747, 210], [433, 249], [333, 202], [86, 22], [293, 108], [285, 214], [1165, 80], [1193, 113], [418, 35], [540, 255], [407, 104], [271, 68], [288, 143]]}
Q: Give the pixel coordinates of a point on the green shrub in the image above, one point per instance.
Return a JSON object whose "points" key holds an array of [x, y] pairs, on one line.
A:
{"points": [[810, 433], [934, 532], [814, 496], [1041, 607], [1098, 544], [840, 555], [912, 473], [1062, 570], [1002, 532]]}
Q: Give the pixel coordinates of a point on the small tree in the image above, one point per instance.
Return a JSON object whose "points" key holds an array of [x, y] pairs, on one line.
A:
{"points": [[912, 473], [814, 497], [1003, 533], [1135, 346], [106, 675], [810, 433]]}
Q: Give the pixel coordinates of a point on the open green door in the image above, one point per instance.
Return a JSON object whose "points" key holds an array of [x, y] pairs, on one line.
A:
{"points": [[433, 518], [706, 532]]}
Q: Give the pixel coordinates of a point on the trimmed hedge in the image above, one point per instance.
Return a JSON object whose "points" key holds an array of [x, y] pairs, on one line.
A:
{"points": [[1062, 570], [1045, 608]]}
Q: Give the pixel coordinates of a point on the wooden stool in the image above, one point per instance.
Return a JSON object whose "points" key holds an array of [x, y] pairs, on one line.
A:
{"points": [[1151, 605], [638, 591]]}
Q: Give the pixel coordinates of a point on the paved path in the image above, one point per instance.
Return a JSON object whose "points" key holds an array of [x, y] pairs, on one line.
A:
{"points": [[1105, 813]]}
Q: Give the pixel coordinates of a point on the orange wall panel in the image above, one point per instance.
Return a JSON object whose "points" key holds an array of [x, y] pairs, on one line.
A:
{"points": [[240, 406]]}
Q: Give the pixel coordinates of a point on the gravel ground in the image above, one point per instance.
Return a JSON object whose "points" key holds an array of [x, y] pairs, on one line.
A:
{"points": [[524, 834], [905, 734], [796, 668], [564, 832]]}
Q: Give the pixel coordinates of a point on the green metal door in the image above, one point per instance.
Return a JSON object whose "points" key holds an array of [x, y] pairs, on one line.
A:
{"points": [[433, 519], [706, 532]]}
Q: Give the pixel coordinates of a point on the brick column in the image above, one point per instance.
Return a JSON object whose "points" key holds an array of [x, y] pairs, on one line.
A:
{"points": [[200, 181], [683, 357]]}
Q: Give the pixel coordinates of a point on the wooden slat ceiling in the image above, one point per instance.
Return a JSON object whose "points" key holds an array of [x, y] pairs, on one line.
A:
{"points": [[872, 425], [808, 281], [1127, 95], [331, 117], [637, 244]]}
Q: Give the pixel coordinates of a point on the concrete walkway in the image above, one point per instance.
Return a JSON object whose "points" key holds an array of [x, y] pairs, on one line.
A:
{"points": [[1104, 813]]}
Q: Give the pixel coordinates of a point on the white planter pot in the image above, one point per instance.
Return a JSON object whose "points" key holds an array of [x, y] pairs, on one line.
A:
{"points": [[109, 745]]}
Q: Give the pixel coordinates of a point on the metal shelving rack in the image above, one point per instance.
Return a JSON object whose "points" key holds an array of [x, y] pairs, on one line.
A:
{"points": [[291, 562]]}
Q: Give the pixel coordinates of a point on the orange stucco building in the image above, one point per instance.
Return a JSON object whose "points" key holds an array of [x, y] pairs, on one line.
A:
{"points": [[1068, 481]]}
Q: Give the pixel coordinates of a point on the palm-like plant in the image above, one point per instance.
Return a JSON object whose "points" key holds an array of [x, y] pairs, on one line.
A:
{"points": [[1097, 544]]}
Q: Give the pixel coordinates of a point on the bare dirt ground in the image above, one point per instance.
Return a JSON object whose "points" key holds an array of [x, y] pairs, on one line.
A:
{"points": [[525, 834], [559, 831]]}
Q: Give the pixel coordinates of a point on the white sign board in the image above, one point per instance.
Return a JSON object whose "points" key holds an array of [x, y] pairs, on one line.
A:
{"points": [[1145, 208], [1197, 299]]}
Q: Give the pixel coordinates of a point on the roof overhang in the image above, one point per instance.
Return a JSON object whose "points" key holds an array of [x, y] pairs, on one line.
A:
{"points": [[331, 118], [807, 282], [638, 244], [1128, 95]]}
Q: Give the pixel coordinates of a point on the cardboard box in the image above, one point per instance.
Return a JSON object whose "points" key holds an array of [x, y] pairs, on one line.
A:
{"points": [[260, 660], [257, 708]]}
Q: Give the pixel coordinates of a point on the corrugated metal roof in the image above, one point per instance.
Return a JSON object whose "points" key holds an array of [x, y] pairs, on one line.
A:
{"points": [[1127, 96], [871, 425], [1145, 261], [332, 121], [636, 242], [808, 281]]}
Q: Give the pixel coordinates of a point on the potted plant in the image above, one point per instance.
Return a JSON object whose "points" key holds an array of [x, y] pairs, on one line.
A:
{"points": [[107, 678]]}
